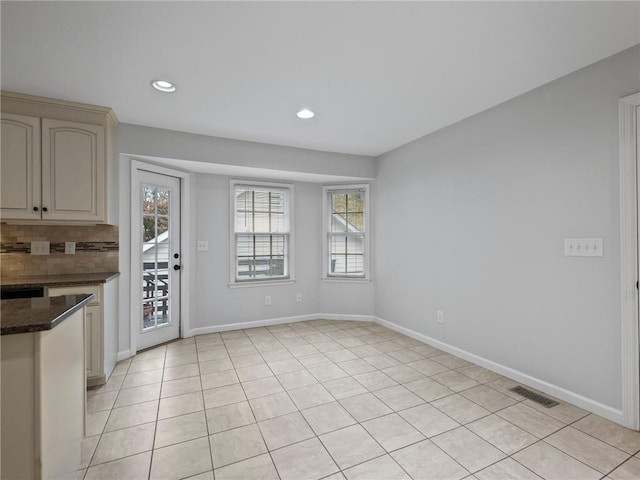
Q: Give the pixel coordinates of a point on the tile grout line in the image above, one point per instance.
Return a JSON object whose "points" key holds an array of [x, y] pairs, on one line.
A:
{"points": [[103, 427], [204, 409], [393, 411], [542, 439], [489, 414], [155, 427], [464, 425], [301, 415], [618, 466], [300, 412], [357, 423], [288, 346], [256, 421], [316, 436]]}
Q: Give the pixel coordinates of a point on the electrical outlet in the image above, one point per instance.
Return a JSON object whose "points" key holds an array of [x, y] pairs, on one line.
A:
{"points": [[267, 300], [203, 245], [440, 316], [70, 248], [298, 297], [39, 248]]}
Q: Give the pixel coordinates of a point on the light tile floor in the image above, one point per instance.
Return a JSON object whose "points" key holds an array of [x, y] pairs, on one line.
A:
{"points": [[334, 400]]}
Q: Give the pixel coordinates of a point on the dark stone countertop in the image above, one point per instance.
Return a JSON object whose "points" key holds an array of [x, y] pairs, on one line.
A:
{"points": [[67, 280], [24, 315]]}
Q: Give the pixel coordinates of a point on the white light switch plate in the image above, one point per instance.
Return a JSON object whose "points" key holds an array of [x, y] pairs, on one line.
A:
{"points": [[583, 247], [70, 248], [203, 245], [40, 248]]}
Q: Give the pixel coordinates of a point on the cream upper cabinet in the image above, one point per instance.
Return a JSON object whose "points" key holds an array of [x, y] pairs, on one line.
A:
{"points": [[72, 171], [20, 167], [55, 160]]}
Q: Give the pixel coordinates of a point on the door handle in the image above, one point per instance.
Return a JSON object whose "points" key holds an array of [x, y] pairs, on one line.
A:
{"points": [[177, 267]]}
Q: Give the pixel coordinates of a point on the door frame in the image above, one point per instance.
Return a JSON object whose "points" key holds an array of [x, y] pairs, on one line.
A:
{"points": [[186, 180], [629, 258]]}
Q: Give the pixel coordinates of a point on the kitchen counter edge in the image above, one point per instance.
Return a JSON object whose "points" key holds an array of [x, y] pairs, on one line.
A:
{"points": [[67, 280], [29, 315]]}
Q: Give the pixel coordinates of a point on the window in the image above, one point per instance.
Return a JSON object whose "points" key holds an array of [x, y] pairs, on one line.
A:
{"points": [[346, 227], [261, 242]]}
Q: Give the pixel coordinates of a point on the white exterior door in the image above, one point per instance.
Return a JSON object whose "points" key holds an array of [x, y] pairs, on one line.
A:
{"points": [[160, 259]]}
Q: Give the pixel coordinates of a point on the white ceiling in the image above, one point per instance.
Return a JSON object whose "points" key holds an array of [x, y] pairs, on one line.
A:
{"points": [[377, 74]]}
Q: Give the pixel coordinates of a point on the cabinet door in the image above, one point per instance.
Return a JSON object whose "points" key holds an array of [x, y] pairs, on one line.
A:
{"points": [[93, 341], [93, 326], [73, 171], [20, 167]]}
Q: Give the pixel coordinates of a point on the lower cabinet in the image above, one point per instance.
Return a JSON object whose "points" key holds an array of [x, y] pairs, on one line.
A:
{"points": [[43, 402], [93, 341], [100, 328]]}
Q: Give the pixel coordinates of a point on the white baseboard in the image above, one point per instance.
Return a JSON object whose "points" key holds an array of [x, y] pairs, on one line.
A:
{"points": [[576, 399], [123, 355], [277, 321], [345, 317], [257, 323]]}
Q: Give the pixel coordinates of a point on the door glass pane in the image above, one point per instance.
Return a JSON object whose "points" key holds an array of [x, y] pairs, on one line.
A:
{"points": [[162, 201], [156, 245], [148, 200]]}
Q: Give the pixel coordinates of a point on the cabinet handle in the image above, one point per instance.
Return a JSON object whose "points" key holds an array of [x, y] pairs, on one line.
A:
{"points": [[44, 209], [35, 209]]}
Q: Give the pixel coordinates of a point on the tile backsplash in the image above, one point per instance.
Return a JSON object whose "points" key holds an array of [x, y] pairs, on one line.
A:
{"points": [[96, 249]]}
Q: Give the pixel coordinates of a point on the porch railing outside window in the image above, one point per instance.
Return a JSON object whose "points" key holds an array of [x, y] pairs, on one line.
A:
{"points": [[261, 232]]}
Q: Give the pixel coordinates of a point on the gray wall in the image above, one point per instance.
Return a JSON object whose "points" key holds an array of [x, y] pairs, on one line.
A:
{"points": [[218, 304], [212, 302], [471, 220], [156, 142]]}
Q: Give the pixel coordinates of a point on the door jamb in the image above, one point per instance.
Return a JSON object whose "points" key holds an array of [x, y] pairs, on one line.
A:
{"points": [[629, 208], [186, 180]]}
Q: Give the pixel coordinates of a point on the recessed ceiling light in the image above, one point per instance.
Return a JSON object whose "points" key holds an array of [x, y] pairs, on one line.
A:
{"points": [[305, 114], [163, 86]]}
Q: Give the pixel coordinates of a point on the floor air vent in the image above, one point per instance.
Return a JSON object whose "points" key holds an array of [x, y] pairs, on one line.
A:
{"points": [[535, 397]]}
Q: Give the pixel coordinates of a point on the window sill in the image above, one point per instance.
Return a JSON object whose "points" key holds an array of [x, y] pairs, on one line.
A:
{"points": [[261, 283], [346, 280]]}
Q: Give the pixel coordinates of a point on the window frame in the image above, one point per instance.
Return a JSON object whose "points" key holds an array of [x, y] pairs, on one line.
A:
{"points": [[326, 233], [288, 233]]}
